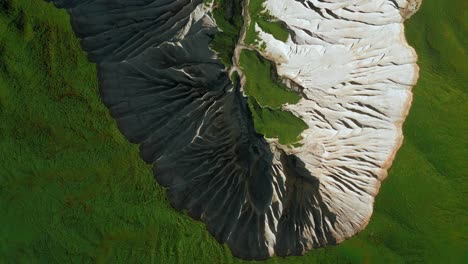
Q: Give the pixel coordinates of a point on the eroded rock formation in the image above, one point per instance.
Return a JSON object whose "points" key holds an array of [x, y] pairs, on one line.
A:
{"points": [[170, 93]]}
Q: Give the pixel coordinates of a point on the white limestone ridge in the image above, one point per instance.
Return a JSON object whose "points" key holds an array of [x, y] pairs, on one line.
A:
{"points": [[355, 70]]}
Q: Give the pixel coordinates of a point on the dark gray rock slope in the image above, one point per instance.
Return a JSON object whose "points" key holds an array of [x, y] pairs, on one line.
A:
{"points": [[169, 93]]}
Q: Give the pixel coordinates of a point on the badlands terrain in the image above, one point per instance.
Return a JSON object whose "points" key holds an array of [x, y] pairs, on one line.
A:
{"points": [[92, 198], [346, 62]]}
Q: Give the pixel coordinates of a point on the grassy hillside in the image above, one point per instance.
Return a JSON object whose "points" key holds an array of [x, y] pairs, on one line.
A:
{"points": [[266, 96], [228, 17], [72, 190], [265, 21]]}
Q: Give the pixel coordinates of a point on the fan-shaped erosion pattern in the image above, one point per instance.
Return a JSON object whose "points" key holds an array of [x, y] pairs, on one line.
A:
{"points": [[169, 92]]}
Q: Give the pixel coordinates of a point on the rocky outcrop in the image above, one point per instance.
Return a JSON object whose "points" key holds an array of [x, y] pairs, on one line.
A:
{"points": [[169, 93], [355, 70], [408, 7]]}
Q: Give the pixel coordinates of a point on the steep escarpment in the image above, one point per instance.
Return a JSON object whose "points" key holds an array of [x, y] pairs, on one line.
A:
{"points": [[164, 75]]}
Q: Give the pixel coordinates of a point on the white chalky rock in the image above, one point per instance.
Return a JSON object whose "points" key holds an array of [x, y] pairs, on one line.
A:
{"points": [[355, 71]]}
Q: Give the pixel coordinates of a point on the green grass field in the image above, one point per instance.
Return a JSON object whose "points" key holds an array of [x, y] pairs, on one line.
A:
{"points": [[265, 21], [272, 123], [259, 84], [72, 190], [230, 25], [266, 96]]}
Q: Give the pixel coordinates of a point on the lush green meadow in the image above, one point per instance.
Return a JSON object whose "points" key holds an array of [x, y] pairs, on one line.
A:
{"points": [[266, 96], [261, 83], [228, 17], [265, 21], [73, 190]]}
